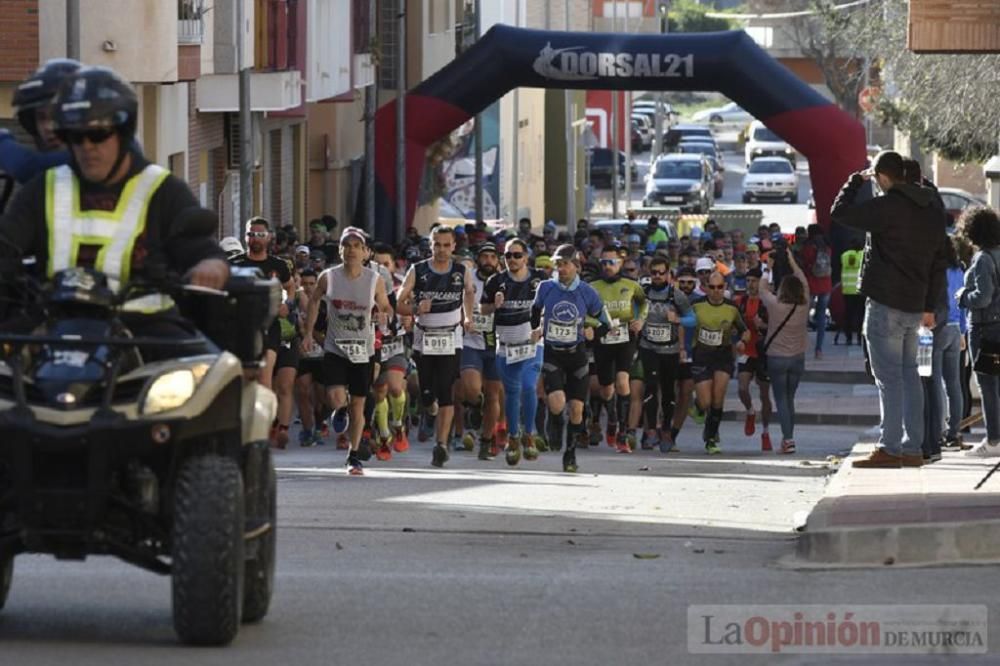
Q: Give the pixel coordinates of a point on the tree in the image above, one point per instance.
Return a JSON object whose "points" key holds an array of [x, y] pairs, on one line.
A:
{"points": [[946, 103], [689, 16]]}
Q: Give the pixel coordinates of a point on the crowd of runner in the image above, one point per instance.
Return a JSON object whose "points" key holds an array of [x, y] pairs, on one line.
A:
{"points": [[514, 344]]}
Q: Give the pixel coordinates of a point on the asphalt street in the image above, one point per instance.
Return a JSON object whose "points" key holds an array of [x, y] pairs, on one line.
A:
{"points": [[787, 215], [479, 563]]}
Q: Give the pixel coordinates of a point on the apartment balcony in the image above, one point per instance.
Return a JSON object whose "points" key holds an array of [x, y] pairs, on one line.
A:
{"points": [[269, 91]]}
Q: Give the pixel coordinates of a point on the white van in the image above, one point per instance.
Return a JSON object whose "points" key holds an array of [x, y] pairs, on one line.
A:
{"points": [[762, 142]]}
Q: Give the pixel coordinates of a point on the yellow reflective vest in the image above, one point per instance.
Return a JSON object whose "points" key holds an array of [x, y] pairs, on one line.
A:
{"points": [[115, 232], [850, 271]]}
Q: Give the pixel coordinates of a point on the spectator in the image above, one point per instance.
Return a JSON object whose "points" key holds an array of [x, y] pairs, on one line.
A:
{"points": [[786, 341], [946, 374], [854, 302], [981, 295], [654, 234], [817, 264], [902, 272], [319, 239]]}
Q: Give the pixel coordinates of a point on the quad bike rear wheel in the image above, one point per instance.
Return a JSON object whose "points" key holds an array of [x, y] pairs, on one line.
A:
{"points": [[208, 550]]}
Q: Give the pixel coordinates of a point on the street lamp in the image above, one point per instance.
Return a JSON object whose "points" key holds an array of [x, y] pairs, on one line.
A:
{"points": [[663, 9]]}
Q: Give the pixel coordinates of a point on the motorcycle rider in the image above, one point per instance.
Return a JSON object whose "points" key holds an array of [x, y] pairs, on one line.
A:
{"points": [[110, 209]]}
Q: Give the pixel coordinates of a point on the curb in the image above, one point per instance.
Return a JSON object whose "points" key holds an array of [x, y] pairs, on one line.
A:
{"points": [[968, 542]]}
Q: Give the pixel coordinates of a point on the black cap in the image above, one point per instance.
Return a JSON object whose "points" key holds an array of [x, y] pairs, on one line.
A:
{"points": [[486, 247], [564, 252]]}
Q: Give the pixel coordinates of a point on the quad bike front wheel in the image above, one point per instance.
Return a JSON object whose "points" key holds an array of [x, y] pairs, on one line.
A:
{"points": [[208, 550], [262, 510]]}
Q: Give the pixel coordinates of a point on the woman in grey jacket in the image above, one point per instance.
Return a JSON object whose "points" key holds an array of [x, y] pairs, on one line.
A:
{"points": [[981, 295]]}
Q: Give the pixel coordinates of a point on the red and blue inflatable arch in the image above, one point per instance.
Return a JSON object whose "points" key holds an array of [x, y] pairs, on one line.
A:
{"points": [[506, 58]]}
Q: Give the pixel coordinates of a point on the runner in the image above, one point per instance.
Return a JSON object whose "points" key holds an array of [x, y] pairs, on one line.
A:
{"points": [[444, 294], [662, 350], [390, 384], [625, 303], [561, 309], [751, 364], [479, 359], [308, 382], [349, 291], [508, 297], [712, 359]]}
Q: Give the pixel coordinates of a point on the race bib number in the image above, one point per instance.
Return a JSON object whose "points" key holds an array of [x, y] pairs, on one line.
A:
{"points": [[519, 353], [439, 343], [562, 333], [710, 338], [617, 335], [356, 351], [659, 333], [392, 348], [482, 323]]}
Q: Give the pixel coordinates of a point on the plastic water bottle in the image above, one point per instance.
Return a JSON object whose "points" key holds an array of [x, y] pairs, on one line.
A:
{"points": [[925, 351]]}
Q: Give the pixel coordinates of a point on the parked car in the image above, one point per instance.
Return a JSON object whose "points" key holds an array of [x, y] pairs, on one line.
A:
{"points": [[763, 142], [711, 153], [727, 114], [956, 200], [645, 128], [684, 180], [771, 178], [600, 167], [672, 137]]}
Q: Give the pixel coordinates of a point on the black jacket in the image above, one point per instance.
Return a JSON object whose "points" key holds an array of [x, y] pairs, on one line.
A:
{"points": [[24, 227], [905, 260]]}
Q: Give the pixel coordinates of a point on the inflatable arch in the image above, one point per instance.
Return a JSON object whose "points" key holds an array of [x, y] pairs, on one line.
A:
{"points": [[728, 62]]}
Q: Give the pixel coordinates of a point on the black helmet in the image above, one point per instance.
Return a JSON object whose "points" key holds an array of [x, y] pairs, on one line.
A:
{"points": [[97, 97], [39, 89]]}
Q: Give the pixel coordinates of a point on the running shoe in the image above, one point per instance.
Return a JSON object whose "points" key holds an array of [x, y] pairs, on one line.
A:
{"points": [[612, 436], [569, 461], [650, 440], [457, 443], [712, 447], [750, 424], [633, 439], [541, 443], [384, 452], [765, 441], [354, 466], [666, 444], [512, 453], [340, 420], [531, 446], [306, 438], [399, 440], [469, 441], [787, 446], [440, 455], [696, 414], [486, 449], [621, 443], [952, 443], [502, 434]]}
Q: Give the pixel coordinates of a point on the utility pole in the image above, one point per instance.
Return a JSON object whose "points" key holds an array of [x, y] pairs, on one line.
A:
{"points": [[73, 29], [516, 138], [371, 94], [570, 148], [478, 137], [614, 130], [628, 125], [664, 10], [246, 123], [401, 220]]}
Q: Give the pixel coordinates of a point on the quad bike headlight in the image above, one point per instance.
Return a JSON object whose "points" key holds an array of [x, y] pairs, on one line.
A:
{"points": [[172, 389]]}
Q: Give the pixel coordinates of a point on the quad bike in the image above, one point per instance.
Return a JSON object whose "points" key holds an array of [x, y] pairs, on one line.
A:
{"points": [[163, 464]]}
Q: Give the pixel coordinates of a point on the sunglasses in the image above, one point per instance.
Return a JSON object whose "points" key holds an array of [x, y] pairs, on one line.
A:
{"points": [[716, 287], [657, 272], [609, 262], [703, 272], [94, 136], [514, 255], [257, 234]]}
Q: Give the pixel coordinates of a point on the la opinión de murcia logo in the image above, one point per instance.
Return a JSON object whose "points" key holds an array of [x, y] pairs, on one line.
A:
{"points": [[575, 63]]}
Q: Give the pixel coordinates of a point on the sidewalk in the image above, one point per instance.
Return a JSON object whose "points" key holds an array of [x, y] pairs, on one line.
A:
{"points": [[910, 516]]}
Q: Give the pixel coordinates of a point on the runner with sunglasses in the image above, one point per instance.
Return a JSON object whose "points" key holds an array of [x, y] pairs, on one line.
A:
{"points": [[661, 346], [718, 323], [625, 302], [686, 283], [568, 312], [508, 297]]}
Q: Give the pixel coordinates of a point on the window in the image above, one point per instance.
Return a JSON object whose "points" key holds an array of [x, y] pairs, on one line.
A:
{"points": [[764, 134], [680, 170], [388, 33], [771, 166]]}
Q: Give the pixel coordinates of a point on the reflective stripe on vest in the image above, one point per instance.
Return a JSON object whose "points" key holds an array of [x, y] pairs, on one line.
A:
{"points": [[849, 274], [114, 231]]}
